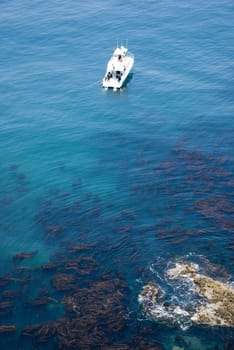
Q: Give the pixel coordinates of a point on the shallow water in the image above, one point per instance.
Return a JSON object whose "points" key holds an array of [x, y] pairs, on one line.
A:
{"points": [[143, 175]]}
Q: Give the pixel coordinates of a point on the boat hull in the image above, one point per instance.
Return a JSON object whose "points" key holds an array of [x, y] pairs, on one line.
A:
{"points": [[118, 69]]}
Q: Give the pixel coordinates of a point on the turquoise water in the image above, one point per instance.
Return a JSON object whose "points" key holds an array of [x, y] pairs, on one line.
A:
{"points": [[144, 174]]}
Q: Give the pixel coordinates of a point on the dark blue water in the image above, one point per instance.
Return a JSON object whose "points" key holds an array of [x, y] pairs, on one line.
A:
{"points": [[131, 178]]}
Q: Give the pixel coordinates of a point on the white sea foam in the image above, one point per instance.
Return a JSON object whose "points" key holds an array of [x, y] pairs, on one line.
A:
{"points": [[185, 302]]}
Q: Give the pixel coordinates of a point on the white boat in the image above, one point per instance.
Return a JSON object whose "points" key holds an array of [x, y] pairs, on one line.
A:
{"points": [[118, 68]]}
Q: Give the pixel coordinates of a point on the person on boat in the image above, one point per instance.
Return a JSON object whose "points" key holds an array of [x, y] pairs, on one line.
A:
{"points": [[120, 58], [109, 76], [118, 75]]}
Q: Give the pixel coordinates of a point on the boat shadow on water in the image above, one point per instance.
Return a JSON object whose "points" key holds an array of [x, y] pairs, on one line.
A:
{"points": [[127, 81]]}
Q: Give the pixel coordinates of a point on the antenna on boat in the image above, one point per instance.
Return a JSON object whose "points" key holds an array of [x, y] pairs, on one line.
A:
{"points": [[126, 43]]}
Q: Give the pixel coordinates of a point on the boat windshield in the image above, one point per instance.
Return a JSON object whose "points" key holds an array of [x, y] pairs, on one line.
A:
{"points": [[120, 51]]}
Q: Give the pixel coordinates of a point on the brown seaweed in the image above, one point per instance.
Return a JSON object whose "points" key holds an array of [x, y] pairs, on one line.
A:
{"points": [[11, 294], [49, 267], [25, 255], [63, 282], [7, 328]]}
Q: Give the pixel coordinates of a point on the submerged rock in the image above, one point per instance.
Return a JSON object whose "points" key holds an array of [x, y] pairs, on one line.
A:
{"points": [[155, 307]]}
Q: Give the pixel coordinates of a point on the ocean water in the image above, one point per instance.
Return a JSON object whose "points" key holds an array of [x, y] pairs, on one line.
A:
{"points": [[111, 187]]}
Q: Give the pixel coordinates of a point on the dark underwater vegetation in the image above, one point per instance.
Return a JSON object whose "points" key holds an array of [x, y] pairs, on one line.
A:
{"points": [[86, 292]]}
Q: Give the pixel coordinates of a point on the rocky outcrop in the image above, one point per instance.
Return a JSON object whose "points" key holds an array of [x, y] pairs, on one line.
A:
{"points": [[218, 306], [214, 308]]}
